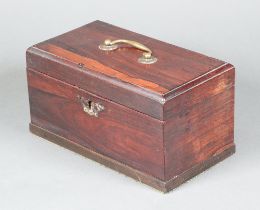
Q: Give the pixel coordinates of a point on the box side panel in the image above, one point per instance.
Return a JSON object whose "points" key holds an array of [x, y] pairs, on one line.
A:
{"points": [[201, 124], [102, 85], [120, 133]]}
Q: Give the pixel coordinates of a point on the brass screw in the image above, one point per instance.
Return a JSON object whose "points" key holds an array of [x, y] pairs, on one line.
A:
{"points": [[81, 65], [107, 42], [147, 55]]}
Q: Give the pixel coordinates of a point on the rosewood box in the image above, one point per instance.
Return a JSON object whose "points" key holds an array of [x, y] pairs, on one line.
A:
{"points": [[151, 110]]}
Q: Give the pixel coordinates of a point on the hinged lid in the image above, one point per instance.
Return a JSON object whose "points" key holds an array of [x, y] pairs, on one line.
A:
{"points": [[128, 68]]}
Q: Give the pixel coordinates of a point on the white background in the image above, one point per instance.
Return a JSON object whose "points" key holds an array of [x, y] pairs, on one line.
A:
{"points": [[38, 175]]}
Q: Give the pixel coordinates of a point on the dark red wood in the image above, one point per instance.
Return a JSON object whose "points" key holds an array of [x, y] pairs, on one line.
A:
{"points": [[164, 122], [175, 65], [200, 123], [151, 85], [106, 87], [140, 176], [119, 132]]}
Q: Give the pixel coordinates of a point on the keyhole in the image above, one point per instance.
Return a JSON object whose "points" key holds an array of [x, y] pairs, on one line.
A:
{"points": [[89, 104]]}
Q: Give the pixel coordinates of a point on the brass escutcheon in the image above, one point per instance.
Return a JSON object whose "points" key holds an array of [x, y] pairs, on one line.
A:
{"points": [[90, 107]]}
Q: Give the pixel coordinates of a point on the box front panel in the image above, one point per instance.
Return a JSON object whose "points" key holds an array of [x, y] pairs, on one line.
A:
{"points": [[201, 124], [125, 135]]}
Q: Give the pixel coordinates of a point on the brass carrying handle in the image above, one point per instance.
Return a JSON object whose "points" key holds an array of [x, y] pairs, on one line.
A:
{"points": [[147, 57]]}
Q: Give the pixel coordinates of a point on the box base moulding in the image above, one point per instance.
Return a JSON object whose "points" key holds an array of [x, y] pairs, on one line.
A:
{"points": [[163, 186]]}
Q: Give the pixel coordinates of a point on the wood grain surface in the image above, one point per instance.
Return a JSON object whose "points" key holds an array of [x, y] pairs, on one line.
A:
{"points": [[164, 186], [169, 120], [118, 132], [75, 58], [175, 65], [199, 123]]}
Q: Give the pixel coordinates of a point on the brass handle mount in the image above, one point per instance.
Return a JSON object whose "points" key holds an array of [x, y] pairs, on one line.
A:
{"points": [[147, 57]]}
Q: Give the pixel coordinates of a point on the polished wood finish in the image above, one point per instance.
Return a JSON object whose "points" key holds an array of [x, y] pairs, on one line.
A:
{"points": [[166, 121], [118, 132], [175, 65], [164, 186], [200, 123], [75, 58], [74, 74]]}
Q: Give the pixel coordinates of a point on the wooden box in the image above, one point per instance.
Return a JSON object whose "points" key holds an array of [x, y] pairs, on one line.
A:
{"points": [[151, 110]]}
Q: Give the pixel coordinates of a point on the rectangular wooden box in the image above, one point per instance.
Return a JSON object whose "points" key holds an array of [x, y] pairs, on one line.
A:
{"points": [[160, 123]]}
